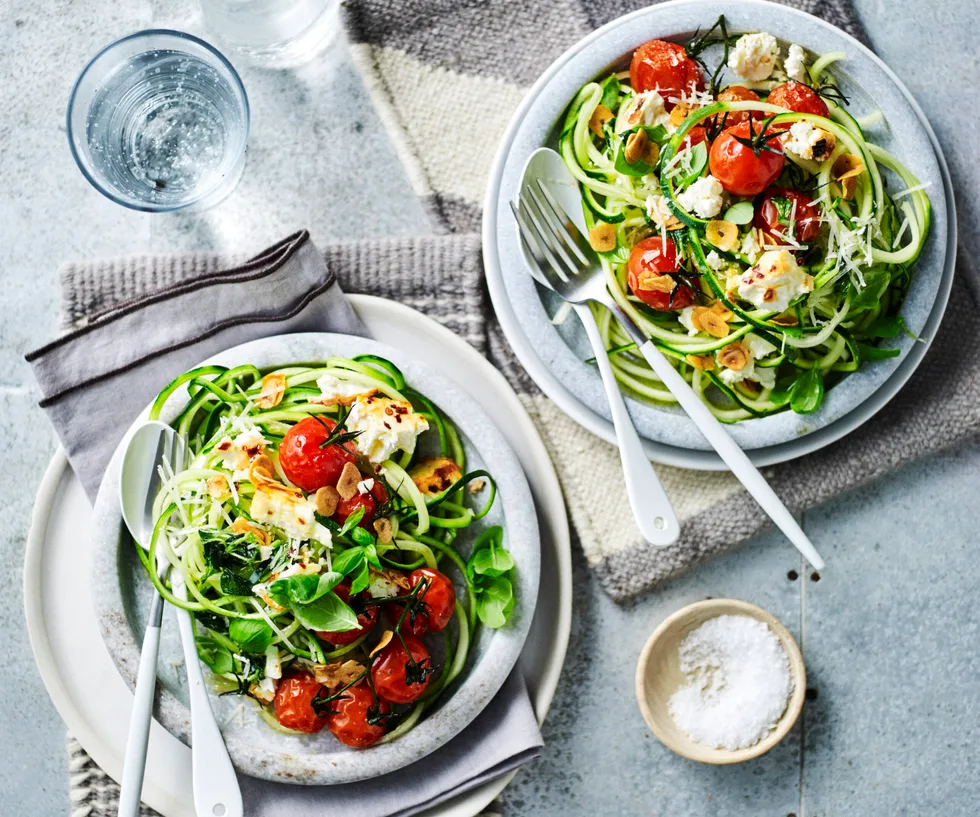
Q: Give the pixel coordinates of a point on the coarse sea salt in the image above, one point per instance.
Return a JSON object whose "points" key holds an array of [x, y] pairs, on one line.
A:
{"points": [[738, 683]]}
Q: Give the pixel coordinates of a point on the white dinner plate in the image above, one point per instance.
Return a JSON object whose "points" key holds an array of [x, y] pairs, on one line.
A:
{"points": [[555, 356], [80, 676]]}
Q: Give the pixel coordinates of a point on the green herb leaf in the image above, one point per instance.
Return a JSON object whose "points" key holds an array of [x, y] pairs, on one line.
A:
{"points": [[303, 589], [699, 161], [362, 537], [218, 657], [876, 282], [784, 209], [872, 353], [361, 579], [807, 393], [885, 327], [348, 561], [351, 521], [610, 92], [492, 562], [371, 554], [495, 602], [212, 621], [232, 584], [741, 213], [252, 635], [327, 614]]}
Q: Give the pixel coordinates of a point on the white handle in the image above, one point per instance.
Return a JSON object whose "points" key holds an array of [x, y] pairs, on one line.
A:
{"points": [[734, 457], [652, 510], [134, 763], [216, 789]]}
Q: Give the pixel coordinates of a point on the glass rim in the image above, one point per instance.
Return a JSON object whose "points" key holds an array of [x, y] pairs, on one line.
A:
{"points": [[147, 32]]}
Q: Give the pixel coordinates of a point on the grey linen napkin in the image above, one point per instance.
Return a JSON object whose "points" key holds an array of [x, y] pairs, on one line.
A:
{"points": [[442, 71], [139, 322]]}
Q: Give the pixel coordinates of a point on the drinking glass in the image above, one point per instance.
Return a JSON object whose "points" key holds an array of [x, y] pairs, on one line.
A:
{"points": [[158, 121], [275, 33]]}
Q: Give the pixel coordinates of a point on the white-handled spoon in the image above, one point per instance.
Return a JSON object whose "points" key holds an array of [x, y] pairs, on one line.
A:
{"points": [[216, 789]]}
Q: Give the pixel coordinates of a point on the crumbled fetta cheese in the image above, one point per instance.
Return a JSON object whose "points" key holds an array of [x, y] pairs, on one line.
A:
{"points": [[757, 349], [754, 56], [774, 281], [646, 108], [289, 510], [685, 316], [704, 197], [715, 261], [364, 486], [386, 426], [808, 141], [795, 64], [333, 390], [750, 247], [236, 454], [273, 664], [658, 210]]}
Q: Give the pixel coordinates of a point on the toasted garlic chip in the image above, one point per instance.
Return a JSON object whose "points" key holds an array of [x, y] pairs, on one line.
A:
{"points": [[652, 282], [383, 642], [636, 146], [327, 500], [723, 234], [339, 674], [602, 237], [722, 311], [846, 170], [734, 356], [273, 388], [709, 321], [680, 113], [383, 528], [599, 117], [347, 484], [784, 320], [705, 363]]}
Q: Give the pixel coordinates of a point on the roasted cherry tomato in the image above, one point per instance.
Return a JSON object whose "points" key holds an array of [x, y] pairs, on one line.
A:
{"points": [[294, 703], [367, 614], [693, 136], [352, 713], [398, 678], [665, 68], [795, 96], [305, 463], [653, 257], [438, 601], [775, 211], [736, 93], [743, 170], [369, 501]]}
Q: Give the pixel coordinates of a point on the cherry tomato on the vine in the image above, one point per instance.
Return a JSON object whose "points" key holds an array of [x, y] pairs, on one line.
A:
{"points": [[664, 67], [651, 259], [436, 603], [305, 463], [293, 703], [744, 170], [736, 93], [401, 677], [775, 211], [367, 615], [795, 96], [369, 501], [352, 713]]}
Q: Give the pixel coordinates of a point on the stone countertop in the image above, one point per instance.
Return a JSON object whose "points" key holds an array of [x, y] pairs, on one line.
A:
{"points": [[888, 632]]}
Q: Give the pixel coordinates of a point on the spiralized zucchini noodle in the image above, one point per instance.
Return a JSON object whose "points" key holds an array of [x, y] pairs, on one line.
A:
{"points": [[318, 529], [777, 292]]}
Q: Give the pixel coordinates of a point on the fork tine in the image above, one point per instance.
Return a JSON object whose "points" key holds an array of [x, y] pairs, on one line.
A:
{"points": [[554, 237], [560, 221], [536, 256], [552, 269]]}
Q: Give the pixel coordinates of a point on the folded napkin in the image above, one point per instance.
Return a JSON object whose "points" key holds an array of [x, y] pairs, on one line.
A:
{"points": [[440, 71], [142, 321]]}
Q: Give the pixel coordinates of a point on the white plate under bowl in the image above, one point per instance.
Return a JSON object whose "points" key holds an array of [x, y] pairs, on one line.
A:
{"points": [[555, 356], [95, 702]]}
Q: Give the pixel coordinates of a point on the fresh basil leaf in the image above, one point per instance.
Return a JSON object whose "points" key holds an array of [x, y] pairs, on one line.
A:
{"points": [[495, 602], [361, 580], [698, 161], [252, 635], [234, 585], [218, 657], [493, 536], [351, 521], [807, 393], [876, 282], [885, 327], [492, 561], [741, 213], [327, 614], [784, 209], [610, 92], [871, 353], [362, 537], [278, 591], [223, 549], [371, 554], [212, 621], [348, 561]]}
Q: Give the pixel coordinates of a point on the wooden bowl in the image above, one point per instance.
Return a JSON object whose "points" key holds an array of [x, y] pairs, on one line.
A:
{"points": [[658, 676]]}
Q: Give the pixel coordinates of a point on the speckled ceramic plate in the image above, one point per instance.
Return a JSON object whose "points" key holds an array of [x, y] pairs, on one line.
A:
{"points": [[554, 356], [121, 592]]}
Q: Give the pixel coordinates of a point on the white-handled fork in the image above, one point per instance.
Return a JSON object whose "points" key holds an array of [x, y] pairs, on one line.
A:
{"points": [[574, 272]]}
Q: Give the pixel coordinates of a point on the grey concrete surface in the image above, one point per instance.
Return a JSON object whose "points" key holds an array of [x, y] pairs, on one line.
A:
{"points": [[887, 631]]}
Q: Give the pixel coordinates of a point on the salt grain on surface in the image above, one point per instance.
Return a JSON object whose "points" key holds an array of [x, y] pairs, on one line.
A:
{"points": [[738, 683]]}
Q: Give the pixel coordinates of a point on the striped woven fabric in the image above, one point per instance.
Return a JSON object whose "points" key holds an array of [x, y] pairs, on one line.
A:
{"points": [[441, 72]]}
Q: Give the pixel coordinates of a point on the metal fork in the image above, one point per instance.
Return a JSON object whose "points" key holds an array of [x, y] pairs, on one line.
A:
{"points": [[573, 271]]}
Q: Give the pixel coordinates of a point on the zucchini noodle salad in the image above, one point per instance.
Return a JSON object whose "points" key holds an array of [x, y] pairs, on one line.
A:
{"points": [[317, 547], [745, 227]]}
